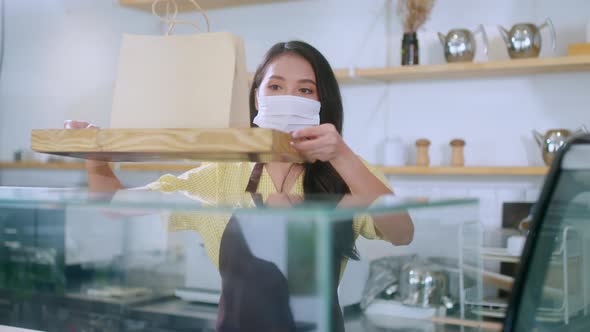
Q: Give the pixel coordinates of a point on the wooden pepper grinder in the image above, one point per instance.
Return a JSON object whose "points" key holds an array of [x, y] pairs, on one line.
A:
{"points": [[422, 158], [457, 147]]}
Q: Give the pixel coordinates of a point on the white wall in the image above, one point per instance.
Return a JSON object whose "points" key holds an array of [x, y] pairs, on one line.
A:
{"points": [[61, 61], [493, 115]]}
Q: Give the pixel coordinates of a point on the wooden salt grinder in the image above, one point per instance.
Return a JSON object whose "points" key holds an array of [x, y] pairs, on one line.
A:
{"points": [[422, 158], [457, 147]]}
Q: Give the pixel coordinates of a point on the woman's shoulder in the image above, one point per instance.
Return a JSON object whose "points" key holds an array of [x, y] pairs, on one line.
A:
{"points": [[206, 174], [218, 167]]}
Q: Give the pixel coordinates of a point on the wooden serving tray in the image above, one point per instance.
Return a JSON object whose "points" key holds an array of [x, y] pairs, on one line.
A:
{"points": [[139, 145]]}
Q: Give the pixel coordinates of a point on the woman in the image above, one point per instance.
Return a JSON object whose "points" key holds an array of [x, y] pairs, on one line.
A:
{"points": [[294, 89]]}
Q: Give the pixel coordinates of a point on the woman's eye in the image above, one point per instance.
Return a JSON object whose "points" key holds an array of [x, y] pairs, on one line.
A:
{"points": [[274, 87], [306, 91]]}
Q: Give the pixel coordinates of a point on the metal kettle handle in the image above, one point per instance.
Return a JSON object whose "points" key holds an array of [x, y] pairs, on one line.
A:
{"points": [[484, 36], [548, 23]]}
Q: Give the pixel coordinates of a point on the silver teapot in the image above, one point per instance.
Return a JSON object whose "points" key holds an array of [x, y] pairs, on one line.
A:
{"points": [[424, 284], [524, 39], [459, 44], [553, 140]]}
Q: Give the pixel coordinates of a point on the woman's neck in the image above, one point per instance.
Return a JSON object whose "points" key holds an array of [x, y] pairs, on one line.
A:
{"points": [[283, 175], [277, 166]]}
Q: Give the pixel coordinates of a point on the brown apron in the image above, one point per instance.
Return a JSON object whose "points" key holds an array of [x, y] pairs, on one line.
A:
{"points": [[255, 293]]}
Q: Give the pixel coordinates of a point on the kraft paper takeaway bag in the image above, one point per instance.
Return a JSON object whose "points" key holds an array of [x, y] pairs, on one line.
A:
{"points": [[181, 81]]}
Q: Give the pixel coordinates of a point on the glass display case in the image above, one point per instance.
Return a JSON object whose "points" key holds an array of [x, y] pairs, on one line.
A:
{"points": [[149, 261], [552, 290]]}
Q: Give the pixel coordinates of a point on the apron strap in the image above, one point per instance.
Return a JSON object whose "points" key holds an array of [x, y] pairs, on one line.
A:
{"points": [[253, 183]]}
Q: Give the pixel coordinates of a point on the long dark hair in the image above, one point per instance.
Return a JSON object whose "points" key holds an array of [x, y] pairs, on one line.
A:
{"points": [[320, 177]]}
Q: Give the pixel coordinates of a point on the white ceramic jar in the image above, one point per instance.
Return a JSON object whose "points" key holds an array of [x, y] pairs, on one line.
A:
{"points": [[394, 152]]}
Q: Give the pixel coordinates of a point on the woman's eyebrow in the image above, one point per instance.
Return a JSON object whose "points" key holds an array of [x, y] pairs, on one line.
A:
{"points": [[277, 77], [307, 81]]}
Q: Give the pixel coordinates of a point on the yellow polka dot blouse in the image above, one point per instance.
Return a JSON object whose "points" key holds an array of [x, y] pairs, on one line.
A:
{"points": [[213, 183]]}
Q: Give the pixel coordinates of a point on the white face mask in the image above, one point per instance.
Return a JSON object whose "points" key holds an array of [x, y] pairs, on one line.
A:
{"points": [[287, 113]]}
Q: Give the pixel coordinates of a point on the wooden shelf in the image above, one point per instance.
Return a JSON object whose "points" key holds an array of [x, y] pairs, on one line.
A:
{"points": [[344, 76], [579, 63], [501, 259], [185, 5], [408, 170], [499, 255], [461, 70], [466, 70], [156, 145], [471, 171], [145, 167], [39, 165]]}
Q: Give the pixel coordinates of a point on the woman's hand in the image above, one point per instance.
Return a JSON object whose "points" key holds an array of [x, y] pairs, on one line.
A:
{"points": [[322, 143], [74, 124]]}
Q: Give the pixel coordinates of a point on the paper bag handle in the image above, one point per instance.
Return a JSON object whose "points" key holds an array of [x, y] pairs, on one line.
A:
{"points": [[172, 21]]}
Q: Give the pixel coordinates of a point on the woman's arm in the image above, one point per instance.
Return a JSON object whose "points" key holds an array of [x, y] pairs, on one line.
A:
{"points": [[357, 176], [325, 143], [100, 175], [396, 228]]}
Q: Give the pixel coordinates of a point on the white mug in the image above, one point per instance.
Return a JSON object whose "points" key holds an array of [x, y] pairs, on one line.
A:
{"points": [[28, 155], [394, 152]]}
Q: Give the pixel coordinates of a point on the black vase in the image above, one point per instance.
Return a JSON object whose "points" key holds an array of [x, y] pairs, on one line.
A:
{"points": [[410, 49]]}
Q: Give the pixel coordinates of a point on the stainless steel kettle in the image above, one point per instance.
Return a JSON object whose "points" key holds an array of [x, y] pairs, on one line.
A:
{"points": [[459, 44], [524, 39], [423, 284], [553, 140]]}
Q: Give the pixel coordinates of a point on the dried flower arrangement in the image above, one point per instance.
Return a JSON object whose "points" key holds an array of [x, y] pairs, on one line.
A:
{"points": [[414, 13]]}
